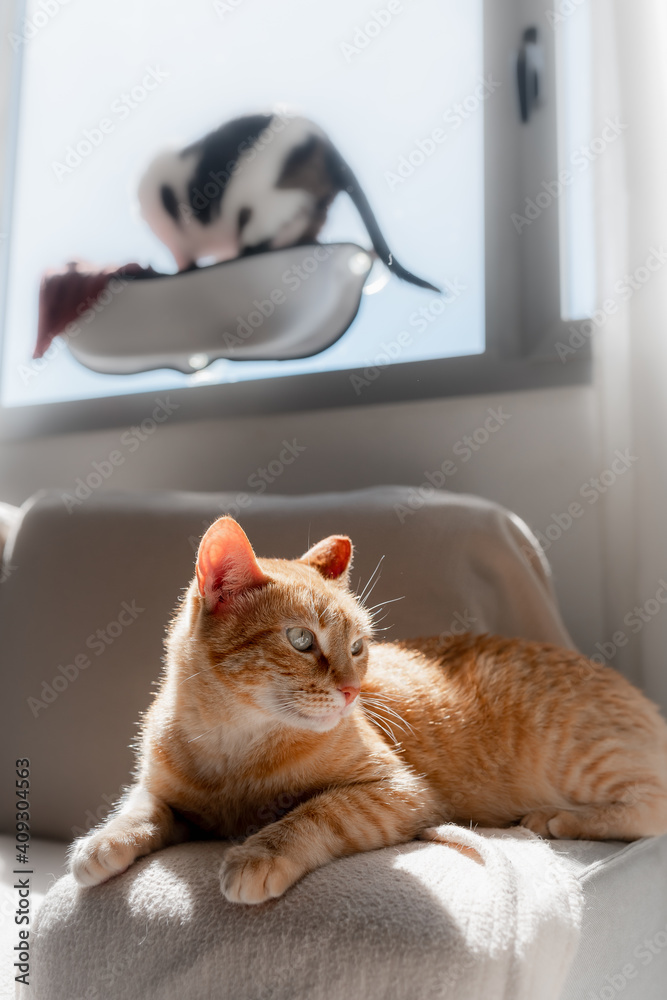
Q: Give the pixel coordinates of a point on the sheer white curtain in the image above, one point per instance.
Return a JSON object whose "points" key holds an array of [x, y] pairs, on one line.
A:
{"points": [[630, 57]]}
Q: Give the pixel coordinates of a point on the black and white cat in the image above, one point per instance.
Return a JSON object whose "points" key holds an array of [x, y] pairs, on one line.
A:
{"points": [[257, 183]]}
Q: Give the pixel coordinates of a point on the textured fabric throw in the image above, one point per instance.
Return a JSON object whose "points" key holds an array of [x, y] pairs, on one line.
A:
{"points": [[418, 921]]}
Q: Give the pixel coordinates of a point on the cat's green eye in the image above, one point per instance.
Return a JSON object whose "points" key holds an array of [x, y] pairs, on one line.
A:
{"points": [[357, 647], [301, 638]]}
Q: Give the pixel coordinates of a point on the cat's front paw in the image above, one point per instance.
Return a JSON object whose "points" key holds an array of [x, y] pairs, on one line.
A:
{"points": [[101, 856], [251, 874]]}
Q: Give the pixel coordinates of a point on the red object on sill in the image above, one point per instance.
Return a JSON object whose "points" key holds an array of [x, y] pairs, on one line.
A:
{"points": [[65, 294]]}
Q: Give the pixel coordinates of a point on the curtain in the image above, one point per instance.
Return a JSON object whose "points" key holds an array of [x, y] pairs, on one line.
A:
{"points": [[630, 350]]}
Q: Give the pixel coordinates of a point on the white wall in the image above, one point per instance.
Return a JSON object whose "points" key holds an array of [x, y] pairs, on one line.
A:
{"points": [[534, 464]]}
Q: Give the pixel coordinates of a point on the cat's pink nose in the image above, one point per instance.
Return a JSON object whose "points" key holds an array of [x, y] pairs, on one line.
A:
{"points": [[349, 693]]}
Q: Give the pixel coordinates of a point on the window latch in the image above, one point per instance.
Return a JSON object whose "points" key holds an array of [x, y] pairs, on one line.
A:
{"points": [[528, 67]]}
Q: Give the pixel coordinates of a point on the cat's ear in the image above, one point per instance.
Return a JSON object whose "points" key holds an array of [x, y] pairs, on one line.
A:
{"points": [[226, 563], [332, 557]]}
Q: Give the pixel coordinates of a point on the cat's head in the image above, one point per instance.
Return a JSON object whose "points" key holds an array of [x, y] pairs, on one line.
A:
{"points": [[283, 637]]}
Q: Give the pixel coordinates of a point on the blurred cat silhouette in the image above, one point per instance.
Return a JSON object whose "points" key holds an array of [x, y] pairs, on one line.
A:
{"points": [[260, 182]]}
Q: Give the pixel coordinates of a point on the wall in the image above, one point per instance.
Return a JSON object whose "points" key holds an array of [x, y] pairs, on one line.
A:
{"points": [[535, 462]]}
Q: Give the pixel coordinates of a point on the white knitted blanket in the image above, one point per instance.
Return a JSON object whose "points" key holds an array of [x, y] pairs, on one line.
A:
{"points": [[418, 921]]}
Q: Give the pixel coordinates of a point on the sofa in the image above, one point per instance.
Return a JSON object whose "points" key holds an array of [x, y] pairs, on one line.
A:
{"points": [[87, 590]]}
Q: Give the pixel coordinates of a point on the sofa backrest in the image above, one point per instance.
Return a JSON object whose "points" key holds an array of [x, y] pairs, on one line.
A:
{"points": [[88, 589]]}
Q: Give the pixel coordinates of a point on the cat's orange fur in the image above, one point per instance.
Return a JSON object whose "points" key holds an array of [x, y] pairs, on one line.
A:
{"points": [[250, 738]]}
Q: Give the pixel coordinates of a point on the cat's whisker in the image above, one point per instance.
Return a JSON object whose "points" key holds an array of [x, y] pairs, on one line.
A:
{"points": [[285, 704], [377, 698], [374, 621], [391, 601], [370, 579], [402, 723], [381, 724], [310, 580], [283, 700], [191, 676], [195, 738], [367, 596], [386, 722], [379, 703], [377, 617], [370, 714], [204, 670], [375, 704], [365, 593]]}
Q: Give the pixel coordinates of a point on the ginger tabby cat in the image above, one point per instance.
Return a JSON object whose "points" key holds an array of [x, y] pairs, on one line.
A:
{"points": [[280, 724]]}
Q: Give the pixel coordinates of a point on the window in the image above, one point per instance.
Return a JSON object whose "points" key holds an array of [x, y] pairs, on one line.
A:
{"points": [[419, 98]]}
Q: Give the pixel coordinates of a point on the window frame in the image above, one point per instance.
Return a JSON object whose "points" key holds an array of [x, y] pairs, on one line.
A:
{"points": [[522, 276]]}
